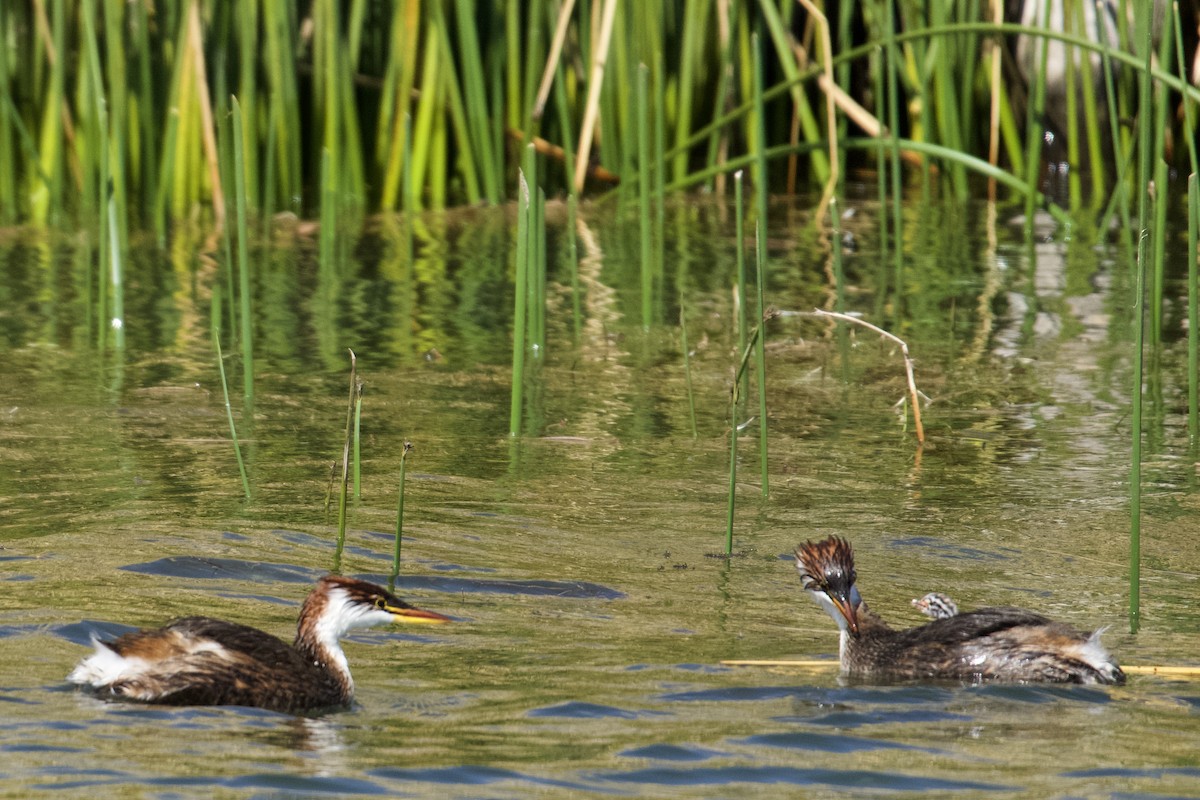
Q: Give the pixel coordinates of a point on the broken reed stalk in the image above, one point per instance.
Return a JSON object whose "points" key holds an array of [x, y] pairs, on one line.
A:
{"points": [[341, 536], [216, 337], [408, 446], [913, 395], [1134, 669]]}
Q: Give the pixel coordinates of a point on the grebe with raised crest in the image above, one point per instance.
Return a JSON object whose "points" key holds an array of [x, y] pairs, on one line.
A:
{"points": [[1003, 644]]}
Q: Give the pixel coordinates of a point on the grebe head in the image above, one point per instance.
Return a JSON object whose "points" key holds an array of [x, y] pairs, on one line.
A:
{"points": [[339, 604], [936, 605], [827, 573]]}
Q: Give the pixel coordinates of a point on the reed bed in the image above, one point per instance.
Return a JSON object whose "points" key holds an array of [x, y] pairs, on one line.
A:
{"points": [[424, 104], [134, 115]]}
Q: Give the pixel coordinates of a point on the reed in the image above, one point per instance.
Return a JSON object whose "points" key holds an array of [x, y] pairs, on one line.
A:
{"points": [[760, 351], [739, 238], [520, 280], [464, 74], [358, 395], [1193, 296], [408, 446], [215, 319], [644, 187], [355, 392], [241, 197]]}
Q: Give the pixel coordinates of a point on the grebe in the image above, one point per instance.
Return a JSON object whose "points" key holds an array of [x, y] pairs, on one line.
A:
{"points": [[1005, 644], [936, 605], [203, 661]]}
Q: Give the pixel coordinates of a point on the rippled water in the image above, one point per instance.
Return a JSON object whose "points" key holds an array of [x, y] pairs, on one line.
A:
{"points": [[578, 562]]}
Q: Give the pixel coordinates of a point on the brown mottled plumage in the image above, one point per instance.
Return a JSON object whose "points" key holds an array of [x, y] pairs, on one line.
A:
{"points": [[1004, 644], [203, 661]]}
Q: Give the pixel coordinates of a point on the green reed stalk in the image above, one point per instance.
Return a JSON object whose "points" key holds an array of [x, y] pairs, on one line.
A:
{"points": [[101, 164], [787, 63], [341, 533], [1188, 103], [519, 301], [537, 254], [1033, 133], [215, 315], [48, 191], [491, 167], [760, 261], [327, 241], [116, 262], [1193, 313], [660, 173], [8, 119], [1159, 242], [243, 239], [358, 393], [694, 14], [1091, 113], [408, 446], [247, 147], [760, 134], [573, 265], [1146, 104], [1070, 81], [893, 112], [739, 238], [644, 170], [468, 153], [733, 437], [687, 359]]}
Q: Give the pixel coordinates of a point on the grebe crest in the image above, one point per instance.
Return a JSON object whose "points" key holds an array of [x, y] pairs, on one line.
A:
{"points": [[204, 661], [1004, 644]]}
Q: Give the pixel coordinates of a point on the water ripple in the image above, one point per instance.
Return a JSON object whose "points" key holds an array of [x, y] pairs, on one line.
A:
{"points": [[797, 776], [235, 569]]}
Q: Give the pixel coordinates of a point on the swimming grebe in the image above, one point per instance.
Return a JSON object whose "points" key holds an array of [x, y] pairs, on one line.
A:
{"points": [[203, 661], [936, 605], [1005, 644]]}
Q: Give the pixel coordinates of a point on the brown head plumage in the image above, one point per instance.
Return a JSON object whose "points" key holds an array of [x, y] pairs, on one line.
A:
{"points": [[827, 572]]}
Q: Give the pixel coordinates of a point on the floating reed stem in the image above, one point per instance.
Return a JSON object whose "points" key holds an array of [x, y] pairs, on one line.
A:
{"points": [[829, 663], [408, 446]]}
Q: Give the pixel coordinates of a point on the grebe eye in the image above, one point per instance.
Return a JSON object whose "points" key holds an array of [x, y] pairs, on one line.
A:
{"points": [[380, 602]]}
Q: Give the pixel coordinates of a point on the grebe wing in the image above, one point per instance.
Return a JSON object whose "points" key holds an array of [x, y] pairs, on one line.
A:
{"points": [[238, 640], [971, 625]]}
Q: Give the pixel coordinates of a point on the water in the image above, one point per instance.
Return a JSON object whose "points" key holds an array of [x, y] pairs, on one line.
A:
{"points": [[591, 614]]}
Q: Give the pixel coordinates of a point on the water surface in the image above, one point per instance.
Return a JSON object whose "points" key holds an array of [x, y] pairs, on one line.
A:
{"points": [[580, 561]]}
